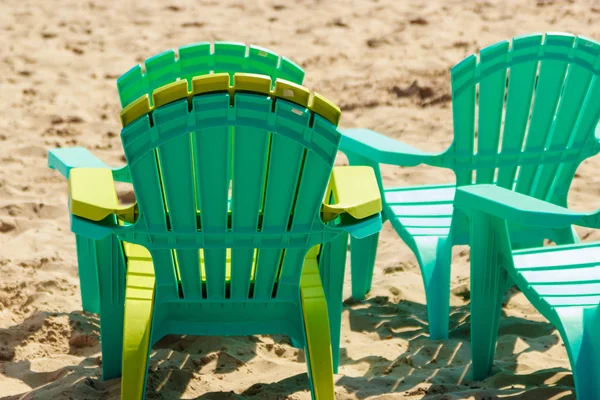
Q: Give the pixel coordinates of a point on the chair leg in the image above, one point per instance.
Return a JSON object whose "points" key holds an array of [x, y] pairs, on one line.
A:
{"points": [[580, 329], [332, 266], [316, 328], [435, 258], [362, 253], [111, 286], [488, 282], [139, 303], [87, 262]]}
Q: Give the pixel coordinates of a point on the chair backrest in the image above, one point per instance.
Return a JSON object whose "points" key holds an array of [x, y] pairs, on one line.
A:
{"points": [[200, 59], [525, 115], [233, 173]]}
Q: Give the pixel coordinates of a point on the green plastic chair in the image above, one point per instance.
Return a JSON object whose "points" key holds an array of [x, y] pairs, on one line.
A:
{"points": [[496, 140], [226, 236], [161, 69], [562, 282]]}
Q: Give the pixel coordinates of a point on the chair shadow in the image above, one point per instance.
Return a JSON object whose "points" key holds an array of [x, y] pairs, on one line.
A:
{"points": [[186, 355], [444, 366], [176, 360]]}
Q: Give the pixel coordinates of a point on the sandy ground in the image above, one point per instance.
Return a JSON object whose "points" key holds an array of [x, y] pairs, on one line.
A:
{"points": [[58, 65]]}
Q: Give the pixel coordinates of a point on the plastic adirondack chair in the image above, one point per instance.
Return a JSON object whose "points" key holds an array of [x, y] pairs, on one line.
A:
{"points": [[560, 281], [536, 153], [233, 185], [161, 69]]}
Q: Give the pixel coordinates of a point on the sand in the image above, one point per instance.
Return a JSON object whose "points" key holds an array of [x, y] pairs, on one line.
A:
{"points": [[384, 62]]}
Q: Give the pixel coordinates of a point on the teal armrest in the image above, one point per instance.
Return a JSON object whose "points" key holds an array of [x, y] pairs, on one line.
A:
{"points": [[385, 150], [65, 159], [516, 207]]}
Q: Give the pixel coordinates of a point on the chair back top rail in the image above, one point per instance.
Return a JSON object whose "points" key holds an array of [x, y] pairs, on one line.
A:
{"points": [[201, 59]]}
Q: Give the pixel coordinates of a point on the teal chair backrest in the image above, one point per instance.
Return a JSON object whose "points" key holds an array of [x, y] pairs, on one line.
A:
{"points": [[525, 114], [240, 171], [200, 59]]}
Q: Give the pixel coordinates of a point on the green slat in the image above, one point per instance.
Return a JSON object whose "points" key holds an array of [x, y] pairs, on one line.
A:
{"points": [[148, 193], [249, 164], [285, 161], [491, 105], [177, 175], [583, 133], [518, 103], [576, 86], [263, 61], [229, 57], [311, 191], [548, 90], [572, 110], [463, 110], [131, 85], [290, 71], [211, 150], [194, 60], [291, 269], [160, 70]]}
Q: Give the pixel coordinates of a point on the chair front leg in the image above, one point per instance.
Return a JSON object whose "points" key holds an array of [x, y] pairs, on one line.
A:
{"points": [[489, 237]]}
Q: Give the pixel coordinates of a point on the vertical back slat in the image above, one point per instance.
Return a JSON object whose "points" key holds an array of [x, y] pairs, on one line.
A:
{"points": [[518, 104], [175, 157], [131, 85], [263, 61], [194, 60], [148, 192], [285, 161], [463, 113], [290, 71], [311, 191], [211, 149], [583, 136], [229, 57], [161, 69], [576, 86], [548, 90], [491, 105], [249, 163]]}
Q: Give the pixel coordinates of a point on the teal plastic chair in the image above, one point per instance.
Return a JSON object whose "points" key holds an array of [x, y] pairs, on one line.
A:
{"points": [[562, 282], [514, 126], [225, 238], [161, 69]]}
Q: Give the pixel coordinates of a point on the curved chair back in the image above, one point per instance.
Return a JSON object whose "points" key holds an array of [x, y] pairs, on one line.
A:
{"points": [[525, 114], [229, 181]]}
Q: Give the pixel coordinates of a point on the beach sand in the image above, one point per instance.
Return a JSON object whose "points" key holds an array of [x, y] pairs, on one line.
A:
{"points": [[385, 63]]}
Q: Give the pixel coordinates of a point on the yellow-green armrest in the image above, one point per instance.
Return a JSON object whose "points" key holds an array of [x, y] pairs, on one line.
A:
{"points": [[355, 192], [93, 195]]}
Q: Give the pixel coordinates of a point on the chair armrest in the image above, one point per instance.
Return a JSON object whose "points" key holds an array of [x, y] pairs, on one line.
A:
{"points": [[360, 228], [65, 159], [517, 207], [355, 192], [382, 149], [93, 195]]}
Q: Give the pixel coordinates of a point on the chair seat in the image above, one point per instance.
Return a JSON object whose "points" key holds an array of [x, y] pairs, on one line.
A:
{"points": [[421, 210], [562, 276]]}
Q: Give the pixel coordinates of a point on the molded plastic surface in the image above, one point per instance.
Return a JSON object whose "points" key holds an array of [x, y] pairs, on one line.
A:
{"points": [[497, 140], [560, 281], [229, 190]]}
